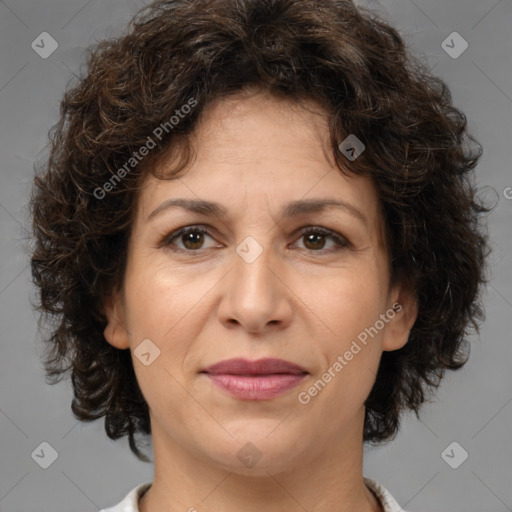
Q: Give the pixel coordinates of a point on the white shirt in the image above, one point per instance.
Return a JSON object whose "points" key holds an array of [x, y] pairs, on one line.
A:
{"points": [[130, 502]]}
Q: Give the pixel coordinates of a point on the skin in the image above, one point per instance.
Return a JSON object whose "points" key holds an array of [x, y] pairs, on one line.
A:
{"points": [[254, 154]]}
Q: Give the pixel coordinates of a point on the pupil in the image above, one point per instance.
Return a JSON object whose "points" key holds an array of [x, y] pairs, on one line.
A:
{"points": [[190, 238], [312, 237]]}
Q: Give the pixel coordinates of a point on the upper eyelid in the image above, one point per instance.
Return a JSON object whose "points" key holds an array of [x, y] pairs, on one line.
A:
{"points": [[327, 232], [204, 227]]}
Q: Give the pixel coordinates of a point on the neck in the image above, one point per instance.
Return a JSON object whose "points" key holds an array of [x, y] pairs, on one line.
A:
{"points": [[330, 479]]}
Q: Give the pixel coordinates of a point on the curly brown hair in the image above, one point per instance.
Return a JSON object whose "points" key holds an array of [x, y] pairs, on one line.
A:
{"points": [[418, 153]]}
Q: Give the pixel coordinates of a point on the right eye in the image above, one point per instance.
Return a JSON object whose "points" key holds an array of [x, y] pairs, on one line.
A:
{"points": [[192, 238]]}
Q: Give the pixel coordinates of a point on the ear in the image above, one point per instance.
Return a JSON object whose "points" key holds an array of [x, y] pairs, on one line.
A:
{"points": [[404, 304], [116, 332]]}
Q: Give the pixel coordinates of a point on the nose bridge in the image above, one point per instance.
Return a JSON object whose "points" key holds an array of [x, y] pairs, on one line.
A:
{"points": [[252, 271], [255, 296]]}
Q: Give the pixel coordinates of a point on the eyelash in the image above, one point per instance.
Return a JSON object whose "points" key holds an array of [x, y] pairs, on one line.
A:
{"points": [[340, 241]]}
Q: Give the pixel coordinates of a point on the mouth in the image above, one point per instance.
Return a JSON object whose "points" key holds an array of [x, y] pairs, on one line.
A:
{"points": [[263, 379]]}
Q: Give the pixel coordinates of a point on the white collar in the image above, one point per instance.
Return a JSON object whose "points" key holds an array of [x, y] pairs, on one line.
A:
{"points": [[130, 502]]}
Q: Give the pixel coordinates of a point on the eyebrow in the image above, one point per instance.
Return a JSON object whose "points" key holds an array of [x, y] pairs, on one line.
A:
{"points": [[292, 209]]}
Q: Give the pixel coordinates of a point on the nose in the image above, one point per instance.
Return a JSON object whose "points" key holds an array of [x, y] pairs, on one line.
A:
{"points": [[255, 295]]}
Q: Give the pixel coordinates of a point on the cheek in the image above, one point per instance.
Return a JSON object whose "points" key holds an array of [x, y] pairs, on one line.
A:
{"points": [[169, 306], [350, 302], [349, 308], [160, 307], [156, 299]]}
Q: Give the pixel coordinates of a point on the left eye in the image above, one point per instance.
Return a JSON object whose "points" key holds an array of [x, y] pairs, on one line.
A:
{"points": [[192, 237], [313, 235]]}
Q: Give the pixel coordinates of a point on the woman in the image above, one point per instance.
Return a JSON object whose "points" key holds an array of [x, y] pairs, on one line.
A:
{"points": [[258, 237]]}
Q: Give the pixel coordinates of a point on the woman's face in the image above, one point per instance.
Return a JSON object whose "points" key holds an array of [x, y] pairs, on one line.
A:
{"points": [[254, 286]]}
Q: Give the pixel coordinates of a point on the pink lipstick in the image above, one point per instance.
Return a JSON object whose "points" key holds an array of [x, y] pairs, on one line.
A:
{"points": [[255, 380]]}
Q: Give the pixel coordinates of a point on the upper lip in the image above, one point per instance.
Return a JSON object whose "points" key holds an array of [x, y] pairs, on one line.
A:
{"points": [[267, 366]]}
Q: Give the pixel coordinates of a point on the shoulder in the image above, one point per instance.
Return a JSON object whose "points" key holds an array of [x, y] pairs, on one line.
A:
{"points": [[389, 503], [130, 501]]}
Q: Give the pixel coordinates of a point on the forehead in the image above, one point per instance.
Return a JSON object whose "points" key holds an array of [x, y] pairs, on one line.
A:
{"points": [[263, 152]]}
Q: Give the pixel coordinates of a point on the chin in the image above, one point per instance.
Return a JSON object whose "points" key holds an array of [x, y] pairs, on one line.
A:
{"points": [[253, 452]]}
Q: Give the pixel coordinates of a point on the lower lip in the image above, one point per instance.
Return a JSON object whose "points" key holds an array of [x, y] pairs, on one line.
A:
{"points": [[256, 387]]}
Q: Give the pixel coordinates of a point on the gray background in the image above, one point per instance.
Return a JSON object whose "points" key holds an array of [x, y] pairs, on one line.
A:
{"points": [[473, 406]]}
